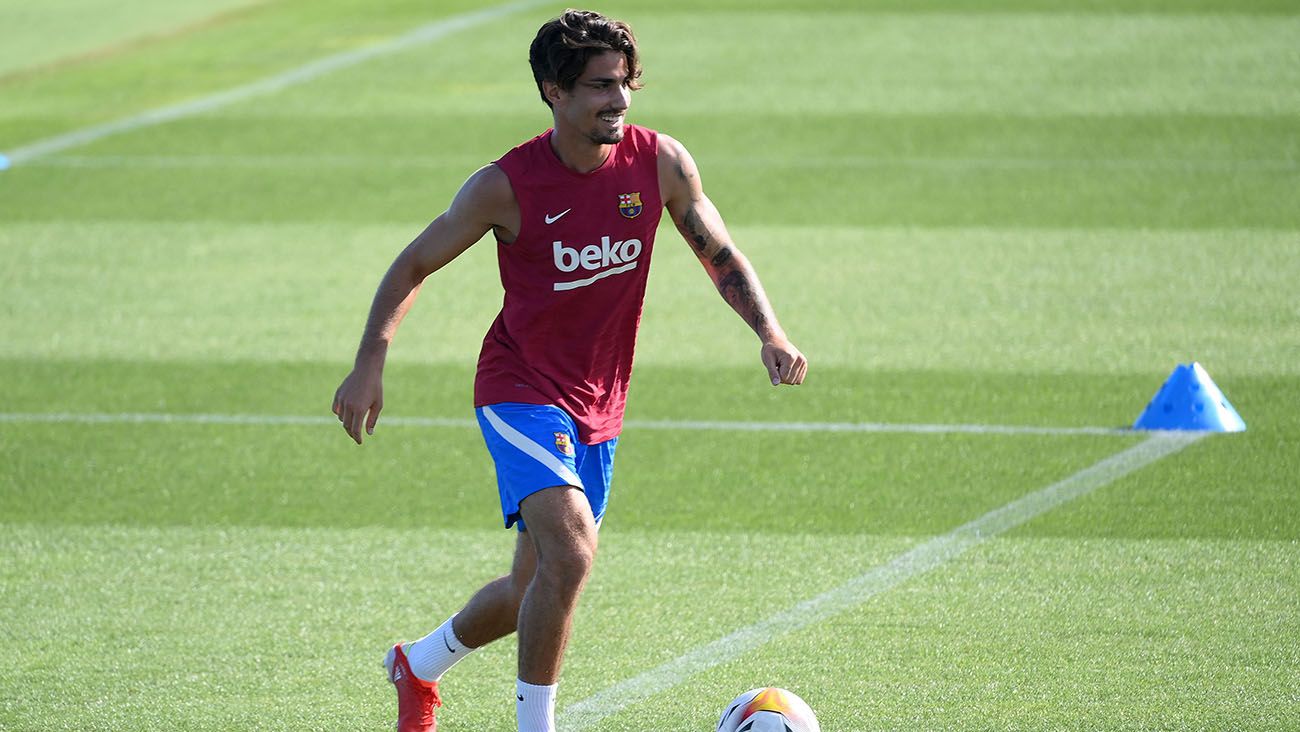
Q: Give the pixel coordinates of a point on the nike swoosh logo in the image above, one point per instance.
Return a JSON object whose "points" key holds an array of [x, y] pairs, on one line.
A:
{"points": [[447, 643], [552, 219]]}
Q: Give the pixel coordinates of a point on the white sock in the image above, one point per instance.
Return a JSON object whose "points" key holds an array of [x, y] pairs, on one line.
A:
{"points": [[535, 707], [436, 652]]}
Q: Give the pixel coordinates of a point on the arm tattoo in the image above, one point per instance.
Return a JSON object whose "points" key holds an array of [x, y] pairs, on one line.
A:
{"points": [[695, 230], [698, 235], [735, 279], [738, 290]]}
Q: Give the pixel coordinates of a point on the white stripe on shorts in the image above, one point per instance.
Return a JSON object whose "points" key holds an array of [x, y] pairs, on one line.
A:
{"points": [[532, 449]]}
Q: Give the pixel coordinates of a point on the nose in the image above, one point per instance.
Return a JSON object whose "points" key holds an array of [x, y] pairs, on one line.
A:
{"points": [[622, 98]]}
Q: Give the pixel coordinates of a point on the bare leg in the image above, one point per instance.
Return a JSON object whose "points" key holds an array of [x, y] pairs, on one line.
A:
{"points": [[493, 611], [563, 532]]}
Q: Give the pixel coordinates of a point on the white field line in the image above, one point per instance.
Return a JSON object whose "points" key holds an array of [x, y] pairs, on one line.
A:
{"points": [[302, 74], [634, 424], [933, 553], [209, 419]]}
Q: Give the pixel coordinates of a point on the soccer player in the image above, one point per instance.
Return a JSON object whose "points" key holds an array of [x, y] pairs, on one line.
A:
{"points": [[574, 213]]}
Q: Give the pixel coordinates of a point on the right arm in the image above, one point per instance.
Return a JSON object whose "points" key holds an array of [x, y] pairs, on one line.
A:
{"points": [[485, 202]]}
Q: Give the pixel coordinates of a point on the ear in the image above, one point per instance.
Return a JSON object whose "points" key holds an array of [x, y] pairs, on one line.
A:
{"points": [[551, 90]]}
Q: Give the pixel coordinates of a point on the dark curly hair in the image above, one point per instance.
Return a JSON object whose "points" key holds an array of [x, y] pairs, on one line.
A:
{"points": [[563, 46]]}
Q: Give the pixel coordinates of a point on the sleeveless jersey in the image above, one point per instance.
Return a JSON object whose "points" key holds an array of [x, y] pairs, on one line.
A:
{"points": [[574, 279]]}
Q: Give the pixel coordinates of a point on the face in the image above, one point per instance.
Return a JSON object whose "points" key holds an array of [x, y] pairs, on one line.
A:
{"points": [[596, 105]]}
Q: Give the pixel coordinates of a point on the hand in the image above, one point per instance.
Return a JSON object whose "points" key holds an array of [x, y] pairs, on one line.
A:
{"points": [[360, 397], [785, 364]]}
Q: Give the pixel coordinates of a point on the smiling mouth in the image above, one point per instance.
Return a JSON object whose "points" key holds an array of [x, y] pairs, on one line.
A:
{"points": [[612, 118]]}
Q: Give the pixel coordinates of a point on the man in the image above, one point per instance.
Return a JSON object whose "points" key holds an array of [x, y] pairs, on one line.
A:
{"points": [[574, 213]]}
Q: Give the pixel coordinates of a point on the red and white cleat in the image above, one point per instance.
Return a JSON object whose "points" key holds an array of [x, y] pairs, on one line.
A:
{"points": [[417, 699]]}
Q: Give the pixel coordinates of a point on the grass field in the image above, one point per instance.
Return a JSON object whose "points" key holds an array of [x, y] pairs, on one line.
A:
{"points": [[1014, 213]]}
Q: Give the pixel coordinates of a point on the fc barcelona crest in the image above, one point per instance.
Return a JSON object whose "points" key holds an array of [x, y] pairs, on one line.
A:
{"points": [[629, 204], [562, 444]]}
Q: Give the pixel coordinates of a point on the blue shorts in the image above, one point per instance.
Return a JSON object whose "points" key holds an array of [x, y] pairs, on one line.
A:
{"points": [[536, 446]]}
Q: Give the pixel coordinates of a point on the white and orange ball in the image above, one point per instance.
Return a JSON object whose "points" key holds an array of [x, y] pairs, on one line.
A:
{"points": [[768, 709]]}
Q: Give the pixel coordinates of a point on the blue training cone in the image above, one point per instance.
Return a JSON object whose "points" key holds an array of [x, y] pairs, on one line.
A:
{"points": [[1189, 400]]}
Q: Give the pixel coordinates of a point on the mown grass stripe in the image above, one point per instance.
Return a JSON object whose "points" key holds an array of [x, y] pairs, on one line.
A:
{"points": [[169, 162], [277, 82], [930, 555], [658, 424]]}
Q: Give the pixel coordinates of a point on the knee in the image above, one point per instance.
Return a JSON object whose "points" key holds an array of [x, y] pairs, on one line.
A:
{"points": [[569, 565]]}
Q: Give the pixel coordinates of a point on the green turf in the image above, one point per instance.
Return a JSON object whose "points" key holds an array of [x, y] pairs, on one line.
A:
{"points": [[1016, 636], [1024, 212], [67, 32], [1111, 301]]}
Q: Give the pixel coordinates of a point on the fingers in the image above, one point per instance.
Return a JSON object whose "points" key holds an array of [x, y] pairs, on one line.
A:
{"points": [[350, 417], [793, 369], [773, 369], [785, 366], [343, 412], [345, 418], [357, 403], [354, 423], [787, 369], [798, 369]]}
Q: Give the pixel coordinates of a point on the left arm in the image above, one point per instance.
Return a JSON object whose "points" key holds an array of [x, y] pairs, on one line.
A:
{"points": [[701, 225]]}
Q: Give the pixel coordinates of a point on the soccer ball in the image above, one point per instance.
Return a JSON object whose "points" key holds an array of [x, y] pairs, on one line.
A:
{"points": [[768, 710]]}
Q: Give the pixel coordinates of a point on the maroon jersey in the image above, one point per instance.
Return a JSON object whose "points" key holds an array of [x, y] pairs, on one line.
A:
{"points": [[574, 280]]}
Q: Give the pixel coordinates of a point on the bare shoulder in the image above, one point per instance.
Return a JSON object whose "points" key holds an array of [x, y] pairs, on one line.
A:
{"points": [[670, 148], [678, 175], [487, 199], [674, 158], [487, 188]]}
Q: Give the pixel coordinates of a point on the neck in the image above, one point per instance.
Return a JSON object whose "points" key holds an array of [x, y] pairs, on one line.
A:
{"points": [[577, 152]]}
